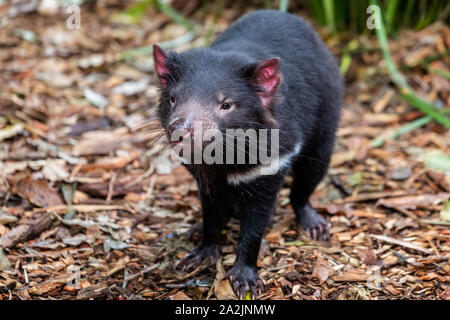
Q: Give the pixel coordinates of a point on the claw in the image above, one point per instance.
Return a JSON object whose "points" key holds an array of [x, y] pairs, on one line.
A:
{"points": [[198, 256], [245, 279], [253, 292], [314, 224]]}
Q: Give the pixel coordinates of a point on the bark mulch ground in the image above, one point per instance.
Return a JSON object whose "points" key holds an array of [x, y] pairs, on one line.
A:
{"points": [[92, 207]]}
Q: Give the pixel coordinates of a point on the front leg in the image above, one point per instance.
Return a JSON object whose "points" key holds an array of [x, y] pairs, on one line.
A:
{"points": [[214, 218], [256, 209]]}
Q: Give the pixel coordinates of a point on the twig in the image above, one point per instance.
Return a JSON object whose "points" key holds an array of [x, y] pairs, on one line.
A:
{"points": [[284, 266], [53, 149], [111, 187], [146, 270], [22, 233], [84, 208], [436, 222], [151, 186], [372, 196], [401, 243]]}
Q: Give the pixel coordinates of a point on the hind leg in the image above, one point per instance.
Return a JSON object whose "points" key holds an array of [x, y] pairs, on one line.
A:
{"points": [[307, 173]]}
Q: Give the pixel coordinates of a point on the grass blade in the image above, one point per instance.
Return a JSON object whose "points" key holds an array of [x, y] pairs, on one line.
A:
{"points": [[284, 5], [405, 90], [328, 6]]}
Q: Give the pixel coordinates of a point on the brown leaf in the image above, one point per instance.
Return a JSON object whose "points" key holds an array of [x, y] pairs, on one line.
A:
{"points": [[123, 185], [222, 287], [25, 232], [94, 291], [224, 291], [285, 283], [180, 295], [412, 202], [50, 284], [37, 192], [110, 163], [322, 270], [101, 142], [275, 233], [368, 257], [339, 158]]}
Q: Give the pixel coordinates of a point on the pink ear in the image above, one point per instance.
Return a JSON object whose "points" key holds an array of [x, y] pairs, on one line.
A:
{"points": [[267, 78], [160, 58]]}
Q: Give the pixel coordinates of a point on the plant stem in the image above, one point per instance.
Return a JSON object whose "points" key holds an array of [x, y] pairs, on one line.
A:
{"points": [[284, 5], [329, 13], [405, 90], [211, 27], [378, 142], [173, 14]]}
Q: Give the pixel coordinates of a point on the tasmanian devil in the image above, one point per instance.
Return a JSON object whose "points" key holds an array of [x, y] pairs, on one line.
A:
{"points": [[268, 70]]}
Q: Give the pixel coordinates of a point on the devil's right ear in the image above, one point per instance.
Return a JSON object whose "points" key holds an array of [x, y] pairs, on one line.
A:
{"points": [[160, 59]]}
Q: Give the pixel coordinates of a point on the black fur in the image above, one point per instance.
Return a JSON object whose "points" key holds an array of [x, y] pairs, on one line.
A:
{"points": [[306, 109]]}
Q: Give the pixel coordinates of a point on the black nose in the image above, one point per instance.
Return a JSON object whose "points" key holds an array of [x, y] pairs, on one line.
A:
{"points": [[179, 124]]}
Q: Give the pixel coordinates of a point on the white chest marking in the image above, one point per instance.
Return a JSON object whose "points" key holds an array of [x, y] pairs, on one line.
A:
{"points": [[257, 171]]}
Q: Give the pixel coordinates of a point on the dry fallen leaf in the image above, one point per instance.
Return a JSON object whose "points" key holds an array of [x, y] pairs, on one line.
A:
{"points": [[180, 295], [222, 287], [322, 270], [413, 202], [37, 192]]}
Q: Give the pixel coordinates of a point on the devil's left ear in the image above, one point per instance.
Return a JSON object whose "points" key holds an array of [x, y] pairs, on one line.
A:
{"points": [[160, 59], [266, 77]]}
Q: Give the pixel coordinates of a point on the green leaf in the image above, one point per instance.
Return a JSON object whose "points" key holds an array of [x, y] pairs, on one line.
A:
{"points": [[354, 179], [445, 212], [437, 160], [346, 61], [133, 14]]}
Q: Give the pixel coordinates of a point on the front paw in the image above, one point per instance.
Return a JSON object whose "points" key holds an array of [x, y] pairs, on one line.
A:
{"points": [[245, 279], [315, 226], [198, 256]]}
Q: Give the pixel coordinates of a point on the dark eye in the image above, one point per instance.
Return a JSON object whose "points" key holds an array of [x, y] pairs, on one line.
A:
{"points": [[172, 100], [226, 106]]}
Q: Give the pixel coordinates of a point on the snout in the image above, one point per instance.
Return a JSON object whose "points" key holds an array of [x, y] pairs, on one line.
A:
{"points": [[179, 130]]}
